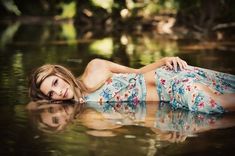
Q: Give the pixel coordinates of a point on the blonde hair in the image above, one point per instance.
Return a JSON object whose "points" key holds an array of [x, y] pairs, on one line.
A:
{"points": [[40, 74]]}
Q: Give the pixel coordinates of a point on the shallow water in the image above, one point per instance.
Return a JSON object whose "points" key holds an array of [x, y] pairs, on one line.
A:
{"points": [[25, 47]]}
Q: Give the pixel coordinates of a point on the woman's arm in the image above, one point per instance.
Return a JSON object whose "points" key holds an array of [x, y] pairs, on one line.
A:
{"points": [[171, 62]]}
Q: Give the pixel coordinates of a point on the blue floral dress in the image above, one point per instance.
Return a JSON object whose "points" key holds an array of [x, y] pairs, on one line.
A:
{"points": [[181, 91], [120, 94], [120, 88]]}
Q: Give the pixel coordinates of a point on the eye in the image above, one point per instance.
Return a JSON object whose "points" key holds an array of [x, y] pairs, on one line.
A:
{"points": [[50, 94], [55, 120], [55, 82]]}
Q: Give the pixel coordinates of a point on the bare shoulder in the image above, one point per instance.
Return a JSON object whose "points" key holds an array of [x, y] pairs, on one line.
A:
{"points": [[95, 74]]}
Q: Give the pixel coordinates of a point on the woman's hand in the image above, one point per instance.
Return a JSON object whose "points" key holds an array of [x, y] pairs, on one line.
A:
{"points": [[174, 62]]}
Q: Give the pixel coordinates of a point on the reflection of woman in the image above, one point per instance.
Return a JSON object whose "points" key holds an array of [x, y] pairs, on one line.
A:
{"points": [[105, 121], [52, 117], [169, 79]]}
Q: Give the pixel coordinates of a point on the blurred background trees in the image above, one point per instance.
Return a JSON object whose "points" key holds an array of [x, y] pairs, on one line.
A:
{"points": [[200, 19]]}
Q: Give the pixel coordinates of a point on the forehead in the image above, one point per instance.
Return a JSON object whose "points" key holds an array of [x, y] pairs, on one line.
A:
{"points": [[46, 84]]}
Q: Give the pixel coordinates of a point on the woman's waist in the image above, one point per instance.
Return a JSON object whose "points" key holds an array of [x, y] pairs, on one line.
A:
{"points": [[151, 84]]}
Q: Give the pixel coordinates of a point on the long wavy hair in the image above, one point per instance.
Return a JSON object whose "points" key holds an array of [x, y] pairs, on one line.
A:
{"points": [[41, 73]]}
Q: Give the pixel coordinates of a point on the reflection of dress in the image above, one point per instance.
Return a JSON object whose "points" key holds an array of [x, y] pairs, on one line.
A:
{"points": [[166, 119], [181, 91], [182, 121], [125, 113]]}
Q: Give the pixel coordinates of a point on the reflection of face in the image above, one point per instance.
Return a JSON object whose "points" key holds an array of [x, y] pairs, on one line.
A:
{"points": [[56, 88], [57, 115]]}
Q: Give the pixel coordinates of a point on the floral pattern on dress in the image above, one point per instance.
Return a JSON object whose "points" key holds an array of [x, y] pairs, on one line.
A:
{"points": [[120, 93], [181, 91]]}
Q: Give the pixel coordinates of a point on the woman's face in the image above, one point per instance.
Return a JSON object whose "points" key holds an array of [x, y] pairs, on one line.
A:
{"points": [[56, 88], [57, 115]]}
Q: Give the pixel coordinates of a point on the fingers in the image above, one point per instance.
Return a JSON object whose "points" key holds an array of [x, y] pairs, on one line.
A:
{"points": [[168, 64], [179, 62], [174, 61], [185, 64]]}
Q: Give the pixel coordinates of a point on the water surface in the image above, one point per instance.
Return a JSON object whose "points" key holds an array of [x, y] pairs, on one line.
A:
{"points": [[25, 47]]}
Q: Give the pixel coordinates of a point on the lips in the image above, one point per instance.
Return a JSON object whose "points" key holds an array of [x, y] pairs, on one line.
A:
{"points": [[65, 93]]}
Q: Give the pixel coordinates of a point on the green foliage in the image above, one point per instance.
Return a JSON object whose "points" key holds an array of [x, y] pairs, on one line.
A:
{"points": [[106, 4], [102, 47], [8, 34], [11, 6], [68, 9]]}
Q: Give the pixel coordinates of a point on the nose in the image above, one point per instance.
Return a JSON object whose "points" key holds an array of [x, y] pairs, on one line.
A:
{"points": [[58, 91]]}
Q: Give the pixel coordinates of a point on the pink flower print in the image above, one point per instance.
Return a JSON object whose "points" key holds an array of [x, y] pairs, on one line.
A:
{"points": [[118, 106], [126, 95], [117, 98], [185, 80], [211, 121], [201, 105], [214, 82], [200, 117], [213, 103], [188, 88], [162, 81], [177, 81], [135, 101]]}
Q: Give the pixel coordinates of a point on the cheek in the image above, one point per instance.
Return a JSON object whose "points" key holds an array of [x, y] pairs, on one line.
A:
{"points": [[70, 93]]}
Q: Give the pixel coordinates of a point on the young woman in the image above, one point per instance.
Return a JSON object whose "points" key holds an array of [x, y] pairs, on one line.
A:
{"points": [[169, 79]]}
